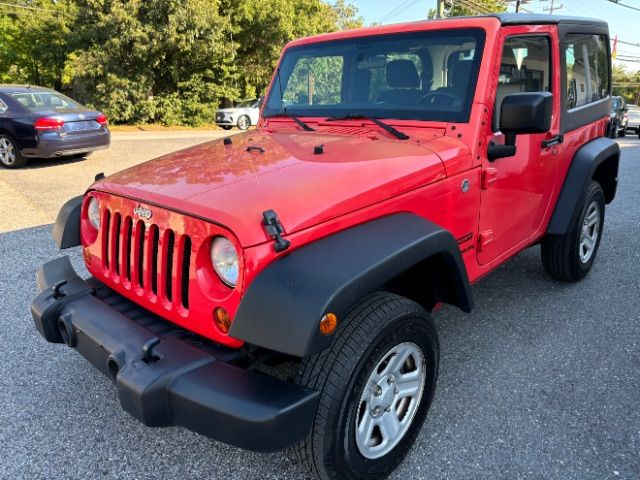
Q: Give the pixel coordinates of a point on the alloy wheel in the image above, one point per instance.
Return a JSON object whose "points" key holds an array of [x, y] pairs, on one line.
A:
{"points": [[390, 400], [7, 152], [590, 232]]}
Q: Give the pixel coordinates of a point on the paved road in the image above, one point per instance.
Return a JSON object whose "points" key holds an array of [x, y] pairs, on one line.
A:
{"points": [[542, 381]]}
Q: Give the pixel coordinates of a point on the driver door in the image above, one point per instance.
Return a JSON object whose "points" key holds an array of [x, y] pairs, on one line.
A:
{"points": [[517, 190]]}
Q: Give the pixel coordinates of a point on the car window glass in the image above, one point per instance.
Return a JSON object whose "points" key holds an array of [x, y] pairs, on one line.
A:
{"points": [[315, 81], [525, 66], [586, 72], [3, 106], [418, 75], [44, 101]]}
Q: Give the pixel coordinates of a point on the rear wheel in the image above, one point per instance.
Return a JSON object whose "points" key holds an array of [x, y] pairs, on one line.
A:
{"points": [[569, 257], [376, 383], [244, 122], [226, 127], [9, 154], [622, 132]]}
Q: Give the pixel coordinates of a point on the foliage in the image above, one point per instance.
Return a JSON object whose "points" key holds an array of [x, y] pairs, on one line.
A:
{"points": [[164, 61], [626, 84], [474, 7]]}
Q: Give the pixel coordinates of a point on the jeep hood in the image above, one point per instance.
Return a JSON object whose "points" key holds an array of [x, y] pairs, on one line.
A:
{"points": [[234, 184]]}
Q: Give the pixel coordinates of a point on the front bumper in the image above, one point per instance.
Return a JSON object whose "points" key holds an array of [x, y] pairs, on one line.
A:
{"points": [[166, 376]]}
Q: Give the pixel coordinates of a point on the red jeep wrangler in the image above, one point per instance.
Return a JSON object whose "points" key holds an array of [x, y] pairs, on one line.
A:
{"points": [[275, 288]]}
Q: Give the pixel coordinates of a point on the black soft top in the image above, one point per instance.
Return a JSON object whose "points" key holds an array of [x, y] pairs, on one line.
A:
{"points": [[538, 18]]}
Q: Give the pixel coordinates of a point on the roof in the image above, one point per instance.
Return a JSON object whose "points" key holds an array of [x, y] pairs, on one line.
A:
{"points": [[10, 88]]}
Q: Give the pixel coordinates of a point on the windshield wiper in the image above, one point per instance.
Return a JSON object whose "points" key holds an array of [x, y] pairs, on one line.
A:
{"points": [[387, 128], [304, 126]]}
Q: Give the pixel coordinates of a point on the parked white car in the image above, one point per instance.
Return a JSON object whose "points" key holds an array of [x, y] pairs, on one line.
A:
{"points": [[243, 115]]}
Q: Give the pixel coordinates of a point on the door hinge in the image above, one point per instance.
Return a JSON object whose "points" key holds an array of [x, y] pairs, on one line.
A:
{"points": [[484, 239], [489, 175], [275, 230]]}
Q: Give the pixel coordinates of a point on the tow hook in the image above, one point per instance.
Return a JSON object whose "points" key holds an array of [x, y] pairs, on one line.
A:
{"points": [[147, 350]]}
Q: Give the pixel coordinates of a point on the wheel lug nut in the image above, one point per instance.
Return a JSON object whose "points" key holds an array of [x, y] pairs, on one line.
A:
{"points": [[388, 409], [391, 380], [377, 390], [376, 411]]}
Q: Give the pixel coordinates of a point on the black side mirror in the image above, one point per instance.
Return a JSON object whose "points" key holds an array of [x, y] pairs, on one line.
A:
{"points": [[521, 113]]}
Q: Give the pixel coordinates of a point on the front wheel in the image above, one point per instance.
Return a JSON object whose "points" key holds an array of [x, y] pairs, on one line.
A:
{"points": [[244, 122], [376, 383], [569, 257]]}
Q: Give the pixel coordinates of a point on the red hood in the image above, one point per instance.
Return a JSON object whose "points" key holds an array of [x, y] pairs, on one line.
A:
{"points": [[232, 186]]}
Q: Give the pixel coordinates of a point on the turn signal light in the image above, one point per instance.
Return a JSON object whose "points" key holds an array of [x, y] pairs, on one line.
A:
{"points": [[328, 324], [47, 123], [222, 319]]}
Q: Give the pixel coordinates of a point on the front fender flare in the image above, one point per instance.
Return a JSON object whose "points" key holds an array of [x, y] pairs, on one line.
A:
{"points": [[282, 307], [66, 230]]}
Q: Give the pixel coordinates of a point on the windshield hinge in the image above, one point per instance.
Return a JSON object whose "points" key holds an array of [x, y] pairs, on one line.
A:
{"points": [[275, 230]]}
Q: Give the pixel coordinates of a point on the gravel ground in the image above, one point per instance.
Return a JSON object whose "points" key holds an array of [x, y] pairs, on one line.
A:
{"points": [[542, 381]]}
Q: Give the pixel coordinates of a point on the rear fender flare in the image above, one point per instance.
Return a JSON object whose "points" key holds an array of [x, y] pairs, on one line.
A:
{"points": [[597, 159], [283, 305]]}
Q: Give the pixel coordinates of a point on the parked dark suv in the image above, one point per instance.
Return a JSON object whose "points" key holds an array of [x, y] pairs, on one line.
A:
{"points": [[618, 117], [36, 122]]}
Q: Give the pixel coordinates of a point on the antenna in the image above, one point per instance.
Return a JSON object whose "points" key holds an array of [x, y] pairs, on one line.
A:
{"points": [[551, 6]]}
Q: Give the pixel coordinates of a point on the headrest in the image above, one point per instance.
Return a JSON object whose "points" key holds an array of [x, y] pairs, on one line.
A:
{"points": [[402, 74]]}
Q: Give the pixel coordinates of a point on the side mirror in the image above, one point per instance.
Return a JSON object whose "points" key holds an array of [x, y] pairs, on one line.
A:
{"points": [[521, 113]]}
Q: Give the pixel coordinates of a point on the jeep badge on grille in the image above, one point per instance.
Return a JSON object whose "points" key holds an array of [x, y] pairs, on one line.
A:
{"points": [[142, 212]]}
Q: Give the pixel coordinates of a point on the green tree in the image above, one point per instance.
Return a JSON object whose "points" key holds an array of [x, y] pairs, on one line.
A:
{"points": [[35, 43], [474, 7]]}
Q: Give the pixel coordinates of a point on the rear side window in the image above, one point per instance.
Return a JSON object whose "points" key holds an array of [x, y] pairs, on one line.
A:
{"points": [[44, 101], [587, 69]]}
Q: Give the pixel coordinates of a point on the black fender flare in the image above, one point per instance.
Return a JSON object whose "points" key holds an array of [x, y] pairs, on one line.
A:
{"points": [[66, 230], [283, 305], [582, 171]]}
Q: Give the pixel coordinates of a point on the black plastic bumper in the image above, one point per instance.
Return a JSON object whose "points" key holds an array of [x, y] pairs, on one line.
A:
{"points": [[176, 382]]}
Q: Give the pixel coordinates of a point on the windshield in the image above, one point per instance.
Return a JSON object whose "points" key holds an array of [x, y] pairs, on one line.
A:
{"points": [[45, 101], [417, 76]]}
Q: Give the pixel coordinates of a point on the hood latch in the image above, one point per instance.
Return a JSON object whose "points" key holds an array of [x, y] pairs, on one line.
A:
{"points": [[275, 230]]}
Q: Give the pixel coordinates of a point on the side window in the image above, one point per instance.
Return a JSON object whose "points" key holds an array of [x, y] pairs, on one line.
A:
{"points": [[3, 106], [587, 69], [315, 81], [525, 66]]}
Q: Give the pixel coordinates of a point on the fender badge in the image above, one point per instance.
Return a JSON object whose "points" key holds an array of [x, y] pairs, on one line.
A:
{"points": [[465, 185], [142, 212]]}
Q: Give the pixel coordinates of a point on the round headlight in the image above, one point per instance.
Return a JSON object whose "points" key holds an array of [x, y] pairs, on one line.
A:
{"points": [[93, 213], [224, 258]]}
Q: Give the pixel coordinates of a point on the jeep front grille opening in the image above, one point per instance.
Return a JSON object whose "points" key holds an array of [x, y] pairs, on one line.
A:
{"points": [[146, 259]]}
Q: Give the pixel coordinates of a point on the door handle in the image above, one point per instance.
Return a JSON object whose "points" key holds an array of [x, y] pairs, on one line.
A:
{"points": [[557, 140]]}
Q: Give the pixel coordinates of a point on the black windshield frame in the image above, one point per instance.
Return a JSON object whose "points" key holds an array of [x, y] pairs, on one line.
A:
{"points": [[273, 105]]}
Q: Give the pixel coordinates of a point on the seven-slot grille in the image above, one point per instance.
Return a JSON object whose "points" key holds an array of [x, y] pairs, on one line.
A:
{"points": [[146, 259]]}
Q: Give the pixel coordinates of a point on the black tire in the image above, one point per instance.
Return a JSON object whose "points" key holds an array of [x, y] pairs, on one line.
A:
{"points": [[380, 322], [622, 133], [226, 127], [561, 254], [244, 122], [613, 130], [10, 156]]}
